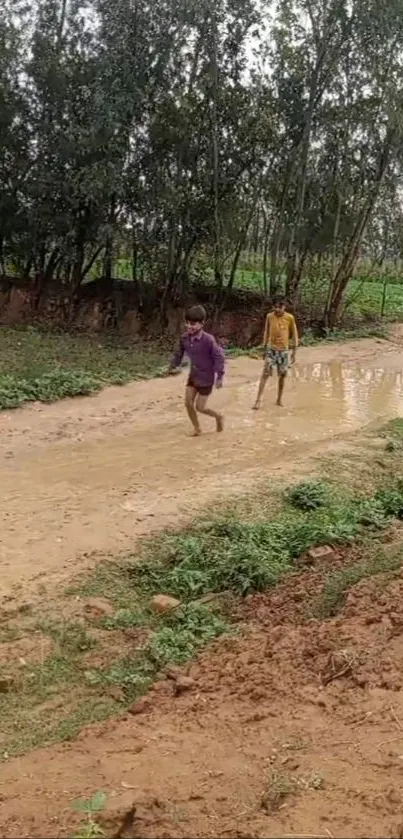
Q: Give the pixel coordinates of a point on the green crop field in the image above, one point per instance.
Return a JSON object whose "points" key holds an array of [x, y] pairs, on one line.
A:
{"points": [[363, 296]]}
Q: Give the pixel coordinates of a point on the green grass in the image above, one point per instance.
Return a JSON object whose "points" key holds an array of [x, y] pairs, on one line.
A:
{"points": [[175, 641], [363, 296], [46, 366], [393, 429], [309, 495], [89, 809], [338, 583], [244, 556], [53, 699], [93, 670]]}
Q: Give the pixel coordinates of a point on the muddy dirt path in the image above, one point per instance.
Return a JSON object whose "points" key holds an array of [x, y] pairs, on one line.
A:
{"points": [[92, 474]]}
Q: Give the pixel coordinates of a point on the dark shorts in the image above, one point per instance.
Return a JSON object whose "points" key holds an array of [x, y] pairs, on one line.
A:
{"points": [[203, 390], [277, 359]]}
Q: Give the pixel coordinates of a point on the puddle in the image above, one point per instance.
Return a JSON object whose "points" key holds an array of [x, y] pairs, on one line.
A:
{"points": [[327, 399]]}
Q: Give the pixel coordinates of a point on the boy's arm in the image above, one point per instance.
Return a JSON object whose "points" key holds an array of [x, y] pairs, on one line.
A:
{"points": [[177, 358], [266, 333], [218, 362], [294, 336]]}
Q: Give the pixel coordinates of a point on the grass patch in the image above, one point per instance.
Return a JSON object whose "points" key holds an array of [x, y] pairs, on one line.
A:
{"points": [[338, 583], [45, 367], [393, 429], [108, 579], [174, 642], [309, 495], [70, 638], [52, 700], [244, 556], [89, 809], [51, 727], [278, 788]]}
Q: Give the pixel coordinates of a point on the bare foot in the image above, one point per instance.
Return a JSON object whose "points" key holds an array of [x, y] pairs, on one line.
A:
{"points": [[256, 406], [196, 432], [279, 403], [220, 423]]}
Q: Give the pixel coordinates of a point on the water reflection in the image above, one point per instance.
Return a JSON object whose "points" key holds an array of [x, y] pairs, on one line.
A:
{"points": [[356, 393], [325, 399]]}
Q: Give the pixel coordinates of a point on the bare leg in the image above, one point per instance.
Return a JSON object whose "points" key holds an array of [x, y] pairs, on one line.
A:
{"points": [[201, 402], [281, 383], [266, 373], [190, 396]]}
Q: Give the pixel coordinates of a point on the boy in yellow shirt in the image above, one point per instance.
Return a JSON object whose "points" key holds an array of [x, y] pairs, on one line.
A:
{"points": [[280, 327]]}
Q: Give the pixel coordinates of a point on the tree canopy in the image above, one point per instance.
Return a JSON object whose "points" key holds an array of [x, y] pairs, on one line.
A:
{"points": [[184, 129]]}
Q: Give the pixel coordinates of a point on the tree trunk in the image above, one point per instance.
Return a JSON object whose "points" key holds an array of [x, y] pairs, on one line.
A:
{"points": [[265, 253], [293, 255], [346, 267], [218, 277]]}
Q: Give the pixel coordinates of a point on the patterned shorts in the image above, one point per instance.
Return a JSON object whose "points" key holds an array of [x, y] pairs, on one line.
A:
{"points": [[278, 359]]}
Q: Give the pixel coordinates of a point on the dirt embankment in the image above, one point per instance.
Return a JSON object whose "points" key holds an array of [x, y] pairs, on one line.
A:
{"points": [[292, 728]]}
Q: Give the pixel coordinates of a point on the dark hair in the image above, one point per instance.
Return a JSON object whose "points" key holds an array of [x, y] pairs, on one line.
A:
{"points": [[279, 300], [196, 314]]}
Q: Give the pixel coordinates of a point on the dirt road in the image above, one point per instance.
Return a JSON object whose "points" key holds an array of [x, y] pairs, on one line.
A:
{"points": [[254, 748], [92, 474]]}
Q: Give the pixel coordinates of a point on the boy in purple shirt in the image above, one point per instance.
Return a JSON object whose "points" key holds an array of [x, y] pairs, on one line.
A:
{"points": [[206, 367]]}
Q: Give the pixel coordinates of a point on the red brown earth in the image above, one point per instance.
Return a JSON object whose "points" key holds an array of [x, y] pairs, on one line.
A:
{"points": [[256, 742]]}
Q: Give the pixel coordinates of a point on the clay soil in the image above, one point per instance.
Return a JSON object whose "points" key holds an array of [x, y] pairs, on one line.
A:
{"points": [[292, 727]]}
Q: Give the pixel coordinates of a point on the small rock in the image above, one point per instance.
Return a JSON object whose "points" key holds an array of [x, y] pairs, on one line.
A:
{"points": [[98, 607], [25, 608], [116, 693], [173, 673], [162, 603], [258, 716], [183, 684], [118, 817], [321, 552], [159, 686], [139, 707], [6, 683]]}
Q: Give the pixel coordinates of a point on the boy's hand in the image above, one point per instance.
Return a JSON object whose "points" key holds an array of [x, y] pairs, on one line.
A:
{"points": [[293, 356], [219, 384]]}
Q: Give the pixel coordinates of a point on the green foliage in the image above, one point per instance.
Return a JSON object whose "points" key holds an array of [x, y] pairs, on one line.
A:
{"points": [[45, 367], [175, 641], [394, 429], [126, 618], [106, 151], [71, 638], [91, 805], [90, 829], [309, 495], [244, 556], [338, 583], [48, 388], [391, 501]]}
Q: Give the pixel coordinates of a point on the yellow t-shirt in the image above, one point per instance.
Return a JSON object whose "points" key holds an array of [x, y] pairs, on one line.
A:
{"points": [[278, 330]]}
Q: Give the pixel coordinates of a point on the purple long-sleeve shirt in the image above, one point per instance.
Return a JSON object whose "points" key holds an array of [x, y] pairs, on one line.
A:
{"points": [[207, 360]]}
